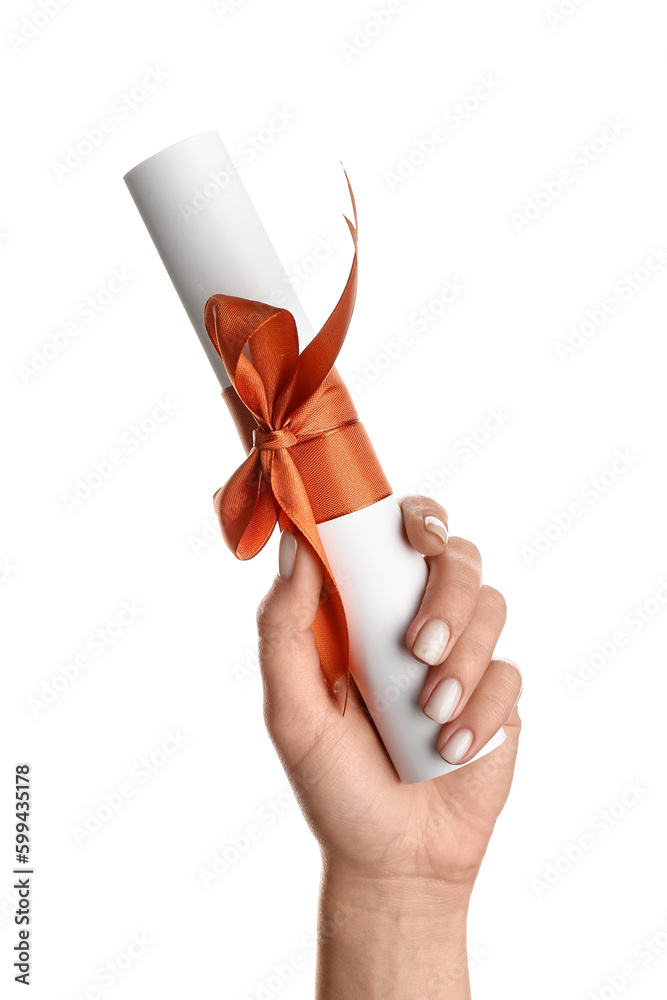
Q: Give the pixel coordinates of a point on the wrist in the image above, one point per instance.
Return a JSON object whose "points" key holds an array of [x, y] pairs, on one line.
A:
{"points": [[414, 896], [389, 937]]}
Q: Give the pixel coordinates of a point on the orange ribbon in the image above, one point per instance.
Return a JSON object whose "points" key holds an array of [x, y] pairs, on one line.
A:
{"points": [[310, 459]]}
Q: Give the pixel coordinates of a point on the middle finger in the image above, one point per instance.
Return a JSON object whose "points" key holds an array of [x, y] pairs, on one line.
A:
{"points": [[452, 589]]}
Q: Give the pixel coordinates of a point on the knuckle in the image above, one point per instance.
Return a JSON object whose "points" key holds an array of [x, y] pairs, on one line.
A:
{"points": [[488, 707], [302, 610], [477, 650], [464, 598], [278, 713], [278, 609], [471, 551], [269, 715], [457, 614], [272, 641], [262, 615], [498, 698], [510, 667], [495, 601], [467, 552], [277, 726], [272, 628], [418, 507], [266, 610], [282, 623], [509, 680]]}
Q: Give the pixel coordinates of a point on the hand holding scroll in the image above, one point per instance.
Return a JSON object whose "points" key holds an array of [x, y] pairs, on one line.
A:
{"points": [[411, 850]]}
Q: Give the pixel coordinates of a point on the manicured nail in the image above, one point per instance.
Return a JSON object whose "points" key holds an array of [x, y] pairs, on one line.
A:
{"points": [[457, 746], [286, 555], [443, 699], [432, 641], [435, 525]]}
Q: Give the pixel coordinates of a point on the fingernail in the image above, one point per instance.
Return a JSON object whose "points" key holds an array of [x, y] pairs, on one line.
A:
{"points": [[457, 746], [443, 699], [432, 641], [286, 555], [438, 528]]}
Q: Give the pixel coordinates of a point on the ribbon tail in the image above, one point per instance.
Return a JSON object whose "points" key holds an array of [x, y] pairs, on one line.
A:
{"points": [[330, 625], [319, 356]]}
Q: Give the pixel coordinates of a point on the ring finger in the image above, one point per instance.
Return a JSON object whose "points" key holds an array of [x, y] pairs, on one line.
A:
{"points": [[450, 684]]}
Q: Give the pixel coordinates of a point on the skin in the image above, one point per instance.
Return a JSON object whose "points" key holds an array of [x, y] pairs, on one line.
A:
{"points": [[398, 861]]}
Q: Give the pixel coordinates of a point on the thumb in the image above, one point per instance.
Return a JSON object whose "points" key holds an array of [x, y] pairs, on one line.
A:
{"points": [[296, 695]]}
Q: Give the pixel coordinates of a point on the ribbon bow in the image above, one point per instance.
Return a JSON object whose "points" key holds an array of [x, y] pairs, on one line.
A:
{"points": [[310, 458]]}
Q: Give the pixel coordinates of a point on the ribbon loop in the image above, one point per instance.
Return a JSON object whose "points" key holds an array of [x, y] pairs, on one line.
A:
{"points": [[310, 459]]}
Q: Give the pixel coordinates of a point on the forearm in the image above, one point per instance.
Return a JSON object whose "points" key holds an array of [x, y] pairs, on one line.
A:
{"points": [[384, 939]]}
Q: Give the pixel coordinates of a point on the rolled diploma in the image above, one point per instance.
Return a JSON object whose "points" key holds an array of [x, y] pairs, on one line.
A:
{"points": [[211, 240]]}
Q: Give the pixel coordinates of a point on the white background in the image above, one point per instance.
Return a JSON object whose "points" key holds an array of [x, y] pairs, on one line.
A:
{"points": [[180, 664]]}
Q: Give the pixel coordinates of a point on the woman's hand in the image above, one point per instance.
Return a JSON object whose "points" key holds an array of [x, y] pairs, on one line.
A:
{"points": [[389, 843]]}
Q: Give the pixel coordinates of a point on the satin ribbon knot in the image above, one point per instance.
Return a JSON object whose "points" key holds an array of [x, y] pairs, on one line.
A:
{"points": [[273, 440], [309, 457]]}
